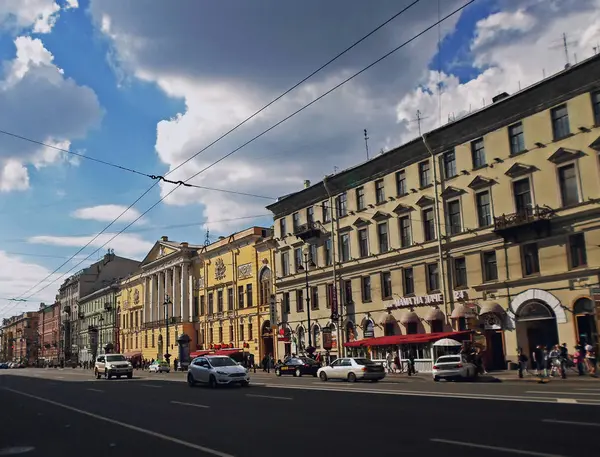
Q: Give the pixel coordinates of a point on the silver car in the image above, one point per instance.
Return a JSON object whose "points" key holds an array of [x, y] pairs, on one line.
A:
{"points": [[215, 370]]}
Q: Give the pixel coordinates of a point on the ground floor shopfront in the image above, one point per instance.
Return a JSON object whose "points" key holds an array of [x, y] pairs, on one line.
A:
{"points": [[153, 344]]}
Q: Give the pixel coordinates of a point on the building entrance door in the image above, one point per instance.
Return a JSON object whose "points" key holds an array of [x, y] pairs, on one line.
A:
{"points": [[536, 325]]}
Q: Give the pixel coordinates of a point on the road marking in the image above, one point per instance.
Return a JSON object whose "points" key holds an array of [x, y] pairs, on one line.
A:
{"points": [[494, 448], [269, 396], [585, 424], [95, 390], [570, 401], [60, 377], [189, 404], [559, 393], [16, 450], [595, 390], [150, 385], [124, 424]]}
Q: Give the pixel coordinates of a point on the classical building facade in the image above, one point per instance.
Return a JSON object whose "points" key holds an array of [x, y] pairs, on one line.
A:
{"points": [[49, 332], [235, 278], [21, 339], [489, 223], [130, 305]]}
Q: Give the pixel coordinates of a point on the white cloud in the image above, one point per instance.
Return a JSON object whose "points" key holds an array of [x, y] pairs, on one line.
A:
{"points": [[71, 4], [13, 176], [106, 213], [126, 244], [40, 15], [488, 29]]}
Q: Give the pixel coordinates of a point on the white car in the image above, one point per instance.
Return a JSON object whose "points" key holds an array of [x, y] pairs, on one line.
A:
{"points": [[352, 369], [159, 367], [215, 370], [109, 365], [454, 367]]}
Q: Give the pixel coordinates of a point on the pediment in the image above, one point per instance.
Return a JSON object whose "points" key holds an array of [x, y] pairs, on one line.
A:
{"points": [[450, 192], [596, 144], [361, 222], [481, 182], [403, 209], [520, 169], [563, 155], [380, 215], [158, 251], [425, 201]]}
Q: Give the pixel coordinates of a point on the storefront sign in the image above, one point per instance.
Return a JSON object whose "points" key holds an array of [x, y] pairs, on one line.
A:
{"points": [[334, 304], [426, 300], [327, 341], [369, 331], [273, 311]]}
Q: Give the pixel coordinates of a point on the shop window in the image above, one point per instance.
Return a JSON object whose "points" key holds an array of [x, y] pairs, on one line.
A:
{"points": [[389, 329], [412, 328], [461, 324], [437, 326]]}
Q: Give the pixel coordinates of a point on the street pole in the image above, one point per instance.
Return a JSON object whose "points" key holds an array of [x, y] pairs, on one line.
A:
{"points": [[307, 300], [167, 303]]}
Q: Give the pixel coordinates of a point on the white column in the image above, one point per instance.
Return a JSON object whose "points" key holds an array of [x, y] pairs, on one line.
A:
{"points": [[176, 291], [191, 293], [151, 295], [161, 296], [186, 315]]}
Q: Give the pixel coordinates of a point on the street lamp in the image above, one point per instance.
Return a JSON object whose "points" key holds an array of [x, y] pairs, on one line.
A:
{"points": [[167, 303], [100, 320], [308, 263]]}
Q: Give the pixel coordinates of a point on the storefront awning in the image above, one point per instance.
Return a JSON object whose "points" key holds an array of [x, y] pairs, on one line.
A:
{"points": [[409, 317], [198, 353], [459, 311], [228, 351], [387, 318], [434, 314], [491, 307], [132, 355], [396, 340]]}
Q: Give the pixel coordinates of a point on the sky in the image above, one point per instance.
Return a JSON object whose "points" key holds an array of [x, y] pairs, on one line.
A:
{"points": [[145, 85]]}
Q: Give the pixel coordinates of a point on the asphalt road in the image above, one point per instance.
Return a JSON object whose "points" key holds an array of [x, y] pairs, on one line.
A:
{"points": [[54, 412]]}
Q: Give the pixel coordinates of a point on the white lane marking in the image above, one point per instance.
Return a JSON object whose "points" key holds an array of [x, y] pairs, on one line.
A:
{"points": [[595, 390], [584, 424], [95, 390], [416, 393], [150, 385], [16, 450], [123, 424], [570, 401], [494, 448], [189, 404], [60, 377], [268, 396], [559, 393]]}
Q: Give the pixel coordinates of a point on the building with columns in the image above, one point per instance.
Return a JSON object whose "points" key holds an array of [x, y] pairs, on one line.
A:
{"points": [[168, 271], [130, 319]]}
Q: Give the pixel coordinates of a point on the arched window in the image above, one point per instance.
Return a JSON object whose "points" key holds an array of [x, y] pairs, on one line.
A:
{"points": [[535, 310], [316, 336], [583, 306], [265, 286], [300, 333], [351, 332]]}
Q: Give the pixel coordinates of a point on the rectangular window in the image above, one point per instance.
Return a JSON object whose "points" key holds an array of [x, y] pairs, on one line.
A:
{"points": [[363, 243], [310, 214], [424, 174], [408, 281], [329, 297], [348, 300], [516, 138], [560, 122], [286, 303], [428, 224], [341, 204], [344, 247], [433, 277], [220, 334], [327, 249], [282, 227], [382, 237], [484, 209], [314, 298], [365, 288], [490, 267], [386, 285], [299, 301], [577, 251], [211, 303], [531, 259], [285, 263], [360, 198], [405, 231], [242, 332], [298, 259], [379, 191], [478, 153], [401, 183], [231, 336], [522, 191], [241, 296], [454, 222], [313, 254], [596, 107], [230, 300], [326, 211], [296, 221], [249, 300], [250, 332], [567, 180], [460, 272], [219, 301], [202, 305], [449, 162]]}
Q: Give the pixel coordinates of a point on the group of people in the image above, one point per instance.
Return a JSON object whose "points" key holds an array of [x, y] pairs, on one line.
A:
{"points": [[556, 360]]}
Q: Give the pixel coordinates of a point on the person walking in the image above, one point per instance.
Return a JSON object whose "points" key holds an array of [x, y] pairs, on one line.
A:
{"points": [[522, 358], [564, 360]]}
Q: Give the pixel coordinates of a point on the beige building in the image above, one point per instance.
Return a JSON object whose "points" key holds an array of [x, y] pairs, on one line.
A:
{"points": [[489, 223]]}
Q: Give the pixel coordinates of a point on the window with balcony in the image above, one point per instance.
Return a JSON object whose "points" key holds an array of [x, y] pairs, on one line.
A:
{"points": [[428, 224], [405, 231], [401, 188], [360, 199], [424, 174], [454, 218], [298, 259], [382, 237], [365, 288], [522, 194], [386, 285], [341, 204], [314, 298], [219, 301], [249, 298], [379, 191], [560, 122], [596, 107], [285, 263], [569, 187], [408, 281], [433, 277], [478, 153], [449, 164], [296, 221], [299, 301], [516, 138], [282, 227], [327, 252], [363, 243], [345, 247], [531, 259], [310, 214], [326, 210], [348, 300], [460, 272], [577, 251], [211, 303], [484, 208], [490, 267], [230, 301], [241, 297]]}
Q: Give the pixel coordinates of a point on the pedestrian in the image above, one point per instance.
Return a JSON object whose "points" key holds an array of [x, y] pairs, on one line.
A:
{"points": [[564, 360], [411, 362], [175, 363], [522, 359]]}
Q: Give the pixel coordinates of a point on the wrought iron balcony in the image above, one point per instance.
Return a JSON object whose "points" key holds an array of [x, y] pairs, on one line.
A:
{"points": [[309, 231], [536, 219]]}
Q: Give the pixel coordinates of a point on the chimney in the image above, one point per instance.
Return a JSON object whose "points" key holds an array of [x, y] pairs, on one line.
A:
{"points": [[164, 238], [306, 183], [184, 244], [499, 97]]}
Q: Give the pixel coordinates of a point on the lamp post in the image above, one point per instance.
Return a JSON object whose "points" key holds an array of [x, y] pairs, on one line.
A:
{"points": [[100, 320], [308, 262], [167, 303]]}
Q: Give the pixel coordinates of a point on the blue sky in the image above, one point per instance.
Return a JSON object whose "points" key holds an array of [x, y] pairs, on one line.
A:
{"points": [[146, 87]]}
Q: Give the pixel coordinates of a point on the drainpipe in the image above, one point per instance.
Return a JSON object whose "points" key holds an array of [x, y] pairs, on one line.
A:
{"points": [[339, 332], [439, 229]]}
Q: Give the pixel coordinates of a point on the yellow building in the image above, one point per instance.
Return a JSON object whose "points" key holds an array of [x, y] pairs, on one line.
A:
{"points": [[130, 303], [235, 287], [490, 223]]}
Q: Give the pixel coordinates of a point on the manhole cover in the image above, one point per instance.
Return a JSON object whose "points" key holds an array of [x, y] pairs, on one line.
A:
{"points": [[16, 450]]}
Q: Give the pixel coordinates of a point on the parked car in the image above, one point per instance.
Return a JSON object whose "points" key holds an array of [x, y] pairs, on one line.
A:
{"points": [[159, 367], [215, 370], [298, 366], [109, 365], [3, 366], [352, 369], [454, 367]]}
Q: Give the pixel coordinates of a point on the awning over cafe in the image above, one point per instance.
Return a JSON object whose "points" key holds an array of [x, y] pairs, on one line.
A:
{"points": [[199, 353], [396, 340], [228, 351], [132, 355]]}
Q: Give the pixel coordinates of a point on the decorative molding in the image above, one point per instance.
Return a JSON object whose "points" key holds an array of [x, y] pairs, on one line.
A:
{"points": [[220, 269], [596, 144], [380, 216], [160, 268], [361, 222], [245, 271], [481, 182], [425, 201], [563, 155], [520, 169], [542, 296], [450, 192], [402, 209]]}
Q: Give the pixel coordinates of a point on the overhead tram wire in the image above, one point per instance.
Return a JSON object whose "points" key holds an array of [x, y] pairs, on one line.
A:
{"points": [[302, 81], [465, 5]]}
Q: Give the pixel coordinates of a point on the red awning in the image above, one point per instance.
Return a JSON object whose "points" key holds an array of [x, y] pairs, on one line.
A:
{"points": [[394, 340], [228, 351], [132, 355], [199, 353]]}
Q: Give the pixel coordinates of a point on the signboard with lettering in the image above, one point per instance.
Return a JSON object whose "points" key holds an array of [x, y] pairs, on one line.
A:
{"points": [[273, 311], [327, 340], [334, 304], [426, 300]]}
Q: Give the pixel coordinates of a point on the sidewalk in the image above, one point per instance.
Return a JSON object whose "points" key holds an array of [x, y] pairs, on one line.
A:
{"points": [[504, 375]]}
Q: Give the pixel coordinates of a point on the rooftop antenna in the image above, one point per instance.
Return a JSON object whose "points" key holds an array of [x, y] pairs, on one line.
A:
{"points": [[366, 143], [564, 45], [207, 239], [418, 120], [335, 169]]}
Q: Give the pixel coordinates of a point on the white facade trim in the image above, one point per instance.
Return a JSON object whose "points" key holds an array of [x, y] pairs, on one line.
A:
{"points": [[543, 296]]}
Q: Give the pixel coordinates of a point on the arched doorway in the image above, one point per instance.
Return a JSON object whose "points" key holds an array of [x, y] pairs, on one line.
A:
{"points": [[584, 310], [536, 324], [266, 333], [265, 286]]}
